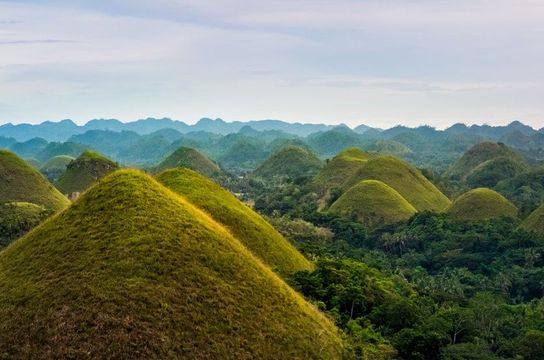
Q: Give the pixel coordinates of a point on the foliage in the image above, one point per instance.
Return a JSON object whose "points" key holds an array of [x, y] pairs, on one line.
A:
{"points": [[17, 218]]}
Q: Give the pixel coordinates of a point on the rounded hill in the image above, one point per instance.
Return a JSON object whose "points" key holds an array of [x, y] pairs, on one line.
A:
{"points": [[373, 203], [535, 221], [245, 224], [405, 179], [132, 270], [20, 182], [192, 159], [56, 166], [84, 171], [290, 161], [481, 204]]}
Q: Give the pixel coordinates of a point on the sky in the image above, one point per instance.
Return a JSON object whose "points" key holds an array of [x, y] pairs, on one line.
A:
{"points": [[377, 62]]}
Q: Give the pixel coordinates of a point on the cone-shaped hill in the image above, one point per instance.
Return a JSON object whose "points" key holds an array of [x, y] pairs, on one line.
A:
{"points": [[20, 182], [246, 225], [84, 171], [192, 159], [56, 166], [405, 179], [481, 204], [373, 203], [474, 164], [535, 221], [133, 270], [290, 161]]}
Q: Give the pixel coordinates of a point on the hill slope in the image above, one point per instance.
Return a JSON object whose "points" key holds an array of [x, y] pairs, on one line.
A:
{"points": [[56, 166], [189, 158], [19, 182], [480, 204], [405, 179], [246, 225], [373, 203], [132, 270], [535, 221], [85, 171], [17, 218], [290, 161]]}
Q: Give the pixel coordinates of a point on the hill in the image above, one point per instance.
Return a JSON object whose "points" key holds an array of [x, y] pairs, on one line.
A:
{"points": [[19, 182], [55, 167], [132, 270], [491, 172], [535, 221], [192, 159], [291, 162], [481, 204], [17, 218], [245, 224], [373, 203], [85, 171], [405, 179], [476, 157]]}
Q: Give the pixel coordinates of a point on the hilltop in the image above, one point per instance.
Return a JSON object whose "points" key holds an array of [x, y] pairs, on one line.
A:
{"points": [[405, 179], [85, 171], [291, 162], [373, 203], [20, 182], [192, 159], [535, 221], [245, 224], [481, 204], [56, 166], [133, 270], [487, 163]]}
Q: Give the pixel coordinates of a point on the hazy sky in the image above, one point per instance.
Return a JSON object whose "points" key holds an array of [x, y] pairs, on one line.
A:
{"points": [[380, 62]]}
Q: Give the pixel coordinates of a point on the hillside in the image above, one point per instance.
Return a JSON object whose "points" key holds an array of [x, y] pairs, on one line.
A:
{"points": [[481, 204], [55, 167], [19, 182], [17, 218], [373, 203], [85, 171], [245, 224], [535, 221], [478, 155], [132, 270], [491, 172], [189, 158], [405, 179], [291, 162]]}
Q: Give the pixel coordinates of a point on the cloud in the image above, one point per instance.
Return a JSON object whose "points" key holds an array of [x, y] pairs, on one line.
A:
{"points": [[33, 42]]}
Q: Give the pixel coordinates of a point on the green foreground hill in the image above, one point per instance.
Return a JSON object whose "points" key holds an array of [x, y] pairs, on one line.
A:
{"points": [[133, 270], [20, 182], [481, 204], [535, 221], [245, 224], [84, 171], [290, 161], [373, 203], [192, 159]]}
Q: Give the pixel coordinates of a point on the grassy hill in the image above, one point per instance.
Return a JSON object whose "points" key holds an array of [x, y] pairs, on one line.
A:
{"points": [[491, 172], [476, 157], [373, 203], [405, 179], [19, 182], [132, 270], [535, 221], [480, 204], [17, 218], [290, 161], [189, 158], [55, 167], [84, 172], [245, 224]]}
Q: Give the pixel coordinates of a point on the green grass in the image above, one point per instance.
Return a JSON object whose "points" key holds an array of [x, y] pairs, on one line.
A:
{"points": [[55, 167], [535, 221], [19, 182], [132, 270], [192, 159], [481, 204], [245, 224], [290, 161], [84, 171], [373, 203], [405, 179], [17, 218]]}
